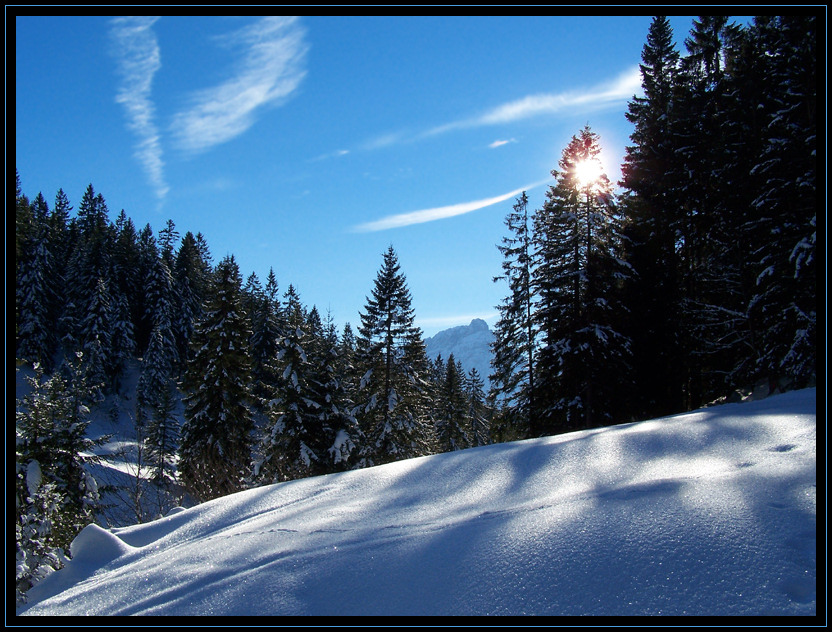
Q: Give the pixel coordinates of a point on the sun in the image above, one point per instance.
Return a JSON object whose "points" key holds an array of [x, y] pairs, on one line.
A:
{"points": [[587, 173]]}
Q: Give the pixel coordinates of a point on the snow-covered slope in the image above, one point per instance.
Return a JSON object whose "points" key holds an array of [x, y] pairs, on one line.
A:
{"points": [[470, 344], [707, 513]]}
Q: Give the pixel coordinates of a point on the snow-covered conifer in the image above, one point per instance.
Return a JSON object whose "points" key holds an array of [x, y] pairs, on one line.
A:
{"points": [[215, 448], [391, 400], [577, 238]]}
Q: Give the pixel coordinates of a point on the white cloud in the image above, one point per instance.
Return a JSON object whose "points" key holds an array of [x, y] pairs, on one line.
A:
{"points": [[136, 51], [608, 93], [333, 154], [433, 214], [619, 89], [271, 69]]}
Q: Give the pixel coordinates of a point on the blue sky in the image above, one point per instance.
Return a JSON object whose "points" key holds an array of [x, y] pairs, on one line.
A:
{"points": [[312, 144]]}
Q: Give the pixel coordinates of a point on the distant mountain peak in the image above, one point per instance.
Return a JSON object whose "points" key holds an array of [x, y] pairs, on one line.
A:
{"points": [[469, 344], [478, 324]]}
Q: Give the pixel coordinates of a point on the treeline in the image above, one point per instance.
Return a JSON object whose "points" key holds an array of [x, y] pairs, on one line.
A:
{"points": [[271, 391], [699, 279]]}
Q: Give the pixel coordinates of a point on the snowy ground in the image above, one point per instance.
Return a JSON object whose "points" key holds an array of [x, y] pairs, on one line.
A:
{"points": [[707, 513]]}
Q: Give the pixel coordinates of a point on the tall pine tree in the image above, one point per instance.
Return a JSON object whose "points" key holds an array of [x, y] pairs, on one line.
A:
{"points": [[215, 449], [514, 346], [391, 405], [653, 292], [584, 354]]}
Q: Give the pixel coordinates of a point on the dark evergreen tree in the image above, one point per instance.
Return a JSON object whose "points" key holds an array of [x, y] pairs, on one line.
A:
{"points": [[478, 418], [94, 334], [340, 428], [162, 438], [252, 294], [88, 279], [122, 345], [168, 240], [514, 343], [51, 424], [436, 385], [723, 170], [126, 270], [507, 362], [23, 222], [92, 215], [654, 291], [452, 424], [346, 356], [265, 335], [156, 372], [37, 298], [159, 302], [62, 242], [291, 448], [704, 225], [579, 271], [391, 405], [191, 275], [151, 288], [215, 449], [783, 236]]}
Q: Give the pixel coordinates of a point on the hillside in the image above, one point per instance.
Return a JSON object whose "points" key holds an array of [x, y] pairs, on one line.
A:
{"points": [[711, 512]]}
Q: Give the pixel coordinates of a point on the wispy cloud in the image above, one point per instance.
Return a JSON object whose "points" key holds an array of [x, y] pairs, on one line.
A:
{"points": [[619, 89], [136, 52], [500, 143], [270, 69], [612, 92], [332, 154], [441, 212]]}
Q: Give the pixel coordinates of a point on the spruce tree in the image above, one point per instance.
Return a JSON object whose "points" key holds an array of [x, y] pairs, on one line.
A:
{"points": [[265, 335], [653, 293], [162, 438], [391, 402], [191, 277], [215, 449], [88, 274], [704, 227], [53, 452], [168, 239], [160, 302], [478, 418], [291, 449], [95, 335], [122, 343], [783, 237], [339, 426], [514, 346], [452, 428], [37, 298], [577, 236]]}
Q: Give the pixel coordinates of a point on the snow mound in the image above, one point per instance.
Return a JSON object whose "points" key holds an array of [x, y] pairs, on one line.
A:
{"points": [[95, 547], [154, 531], [92, 550], [711, 512]]}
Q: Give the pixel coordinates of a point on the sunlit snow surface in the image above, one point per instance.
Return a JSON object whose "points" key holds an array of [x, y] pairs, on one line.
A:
{"points": [[707, 513]]}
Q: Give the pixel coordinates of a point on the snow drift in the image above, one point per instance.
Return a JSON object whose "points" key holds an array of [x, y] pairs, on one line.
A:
{"points": [[706, 513]]}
